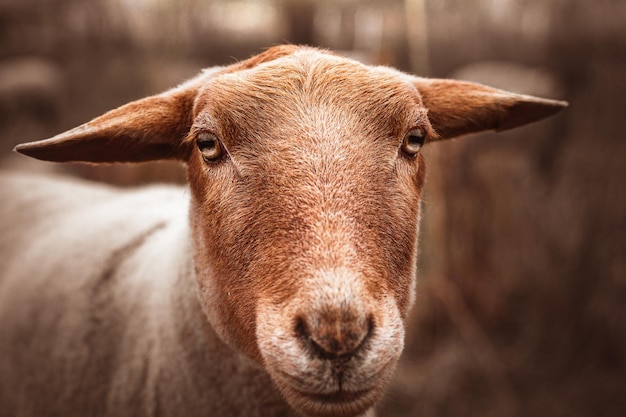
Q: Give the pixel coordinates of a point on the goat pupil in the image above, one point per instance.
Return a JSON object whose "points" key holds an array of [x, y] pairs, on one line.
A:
{"points": [[416, 140], [207, 146]]}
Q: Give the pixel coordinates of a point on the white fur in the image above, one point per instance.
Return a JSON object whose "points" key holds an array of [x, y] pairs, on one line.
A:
{"points": [[166, 360]]}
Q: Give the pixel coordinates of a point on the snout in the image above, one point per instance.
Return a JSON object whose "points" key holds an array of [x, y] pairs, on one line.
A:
{"points": [[332, 349], [335, 333]]}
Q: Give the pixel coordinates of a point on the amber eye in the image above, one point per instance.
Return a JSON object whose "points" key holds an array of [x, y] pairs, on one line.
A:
{"points": [[209, 146], [413, 141]]}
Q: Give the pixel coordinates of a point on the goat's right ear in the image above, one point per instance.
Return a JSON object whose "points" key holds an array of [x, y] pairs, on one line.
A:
{"points": [[148, 129], [458, 108]]}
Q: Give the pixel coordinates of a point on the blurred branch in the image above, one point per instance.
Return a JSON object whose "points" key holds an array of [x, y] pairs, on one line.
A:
{"points": [[300, 21], [417, 36], [481, 347]]}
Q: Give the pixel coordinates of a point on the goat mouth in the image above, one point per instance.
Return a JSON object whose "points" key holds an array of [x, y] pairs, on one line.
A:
{"points": [[340, 401], [335, 404], [339, 397]]}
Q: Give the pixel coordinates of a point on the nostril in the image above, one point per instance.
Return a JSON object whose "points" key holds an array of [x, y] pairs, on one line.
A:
{"points": [[334, 338], [301, 328]]}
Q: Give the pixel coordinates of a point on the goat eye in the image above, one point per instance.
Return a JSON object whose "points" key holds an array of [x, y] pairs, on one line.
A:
{"points": [[413, 141], [209, 146]]}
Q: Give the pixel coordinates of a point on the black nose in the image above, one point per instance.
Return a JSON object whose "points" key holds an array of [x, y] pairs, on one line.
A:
{"points": [[333, 334]]}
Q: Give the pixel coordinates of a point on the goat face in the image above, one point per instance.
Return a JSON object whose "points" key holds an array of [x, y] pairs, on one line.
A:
{"points": [[305, 173], [309, 201]]}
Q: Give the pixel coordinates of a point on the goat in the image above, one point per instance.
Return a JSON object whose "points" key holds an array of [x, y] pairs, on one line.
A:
{"points": [[277, 284]]}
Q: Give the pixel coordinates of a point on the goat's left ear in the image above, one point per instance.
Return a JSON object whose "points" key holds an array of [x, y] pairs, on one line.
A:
{"points": [[148, 129], [457, 108]]}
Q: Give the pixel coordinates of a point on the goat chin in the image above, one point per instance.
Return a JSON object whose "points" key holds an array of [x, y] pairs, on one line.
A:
{"points": [[319, 383]]}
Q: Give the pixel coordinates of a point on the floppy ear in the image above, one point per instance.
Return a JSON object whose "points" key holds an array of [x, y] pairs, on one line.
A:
{"points": [[457, 108], [143, 130]]}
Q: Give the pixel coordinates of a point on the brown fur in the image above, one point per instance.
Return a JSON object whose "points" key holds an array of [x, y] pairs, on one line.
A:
{"points": [[305, 231]]}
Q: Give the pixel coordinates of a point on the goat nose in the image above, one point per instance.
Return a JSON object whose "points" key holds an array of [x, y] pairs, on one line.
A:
{"points": [[332, 335]]}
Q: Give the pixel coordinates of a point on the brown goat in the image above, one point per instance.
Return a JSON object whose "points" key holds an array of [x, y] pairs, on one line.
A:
{"points": [[305, 174]]}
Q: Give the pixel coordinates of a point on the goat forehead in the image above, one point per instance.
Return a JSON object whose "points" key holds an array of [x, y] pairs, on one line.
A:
{"points": [[313, 93]]}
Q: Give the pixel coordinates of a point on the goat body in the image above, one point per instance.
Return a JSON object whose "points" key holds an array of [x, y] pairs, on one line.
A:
{"points": [[112, 326], [276, 284]]}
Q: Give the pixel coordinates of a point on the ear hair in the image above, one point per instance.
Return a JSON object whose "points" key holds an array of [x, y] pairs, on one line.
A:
{"points": [[457, 108], [268, 55]]}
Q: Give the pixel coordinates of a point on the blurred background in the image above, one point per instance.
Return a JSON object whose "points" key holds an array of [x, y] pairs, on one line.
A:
{"points": [[521, 307]]}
